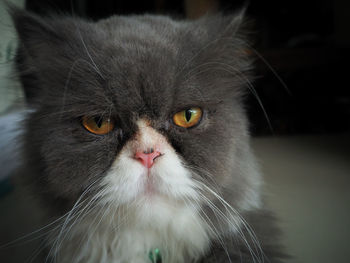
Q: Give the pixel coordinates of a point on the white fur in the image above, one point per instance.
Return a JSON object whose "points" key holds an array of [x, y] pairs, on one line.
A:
{"points": [[140, 209]]}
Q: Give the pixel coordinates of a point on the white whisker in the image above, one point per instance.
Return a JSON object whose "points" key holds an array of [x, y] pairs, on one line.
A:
{"points": [[88, 53], [251, 233], [57, 243], [271, 68]]}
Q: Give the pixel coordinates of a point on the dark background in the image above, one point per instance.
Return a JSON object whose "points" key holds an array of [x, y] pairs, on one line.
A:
{"points": [[302, 63]]}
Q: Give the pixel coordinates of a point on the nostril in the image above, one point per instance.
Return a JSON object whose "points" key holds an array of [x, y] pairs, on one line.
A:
{"points": [[147, 157], [149, 150]]}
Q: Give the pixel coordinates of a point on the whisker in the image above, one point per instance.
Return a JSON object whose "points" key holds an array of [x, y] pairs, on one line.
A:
{"points": [[88, 53], [212, 228], [37, 251], [56, 245], [271, 68], [66, 85], [11, 243], [261, 57], [91, 233], [88, 233], [84, 212], [229, 221], [251, 233], [199, 172]]}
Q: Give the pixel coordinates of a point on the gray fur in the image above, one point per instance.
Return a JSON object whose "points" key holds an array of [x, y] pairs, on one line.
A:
{"points": [[132, 67]]}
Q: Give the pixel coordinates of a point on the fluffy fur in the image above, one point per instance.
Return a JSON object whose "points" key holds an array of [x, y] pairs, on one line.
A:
{"points": [[200, 201]]}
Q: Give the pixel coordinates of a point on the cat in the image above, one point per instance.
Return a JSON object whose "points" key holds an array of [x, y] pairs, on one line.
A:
{"points": [[137, 142]]}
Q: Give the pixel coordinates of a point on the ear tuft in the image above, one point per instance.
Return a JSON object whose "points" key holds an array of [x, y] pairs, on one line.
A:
{"points": [[234, 24], [30, 28], [38, 38]]}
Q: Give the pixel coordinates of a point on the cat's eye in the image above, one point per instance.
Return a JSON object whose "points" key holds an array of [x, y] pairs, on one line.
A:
{"points": [[188, 118], [98, 125]]}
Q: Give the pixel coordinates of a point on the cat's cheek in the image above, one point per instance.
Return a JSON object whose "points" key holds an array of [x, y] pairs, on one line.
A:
{"points": [[173, 179], [124, 181]]}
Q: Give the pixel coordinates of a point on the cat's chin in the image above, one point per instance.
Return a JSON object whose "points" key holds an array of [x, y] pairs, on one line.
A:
{"points": [[150, 191], [153, 194]]}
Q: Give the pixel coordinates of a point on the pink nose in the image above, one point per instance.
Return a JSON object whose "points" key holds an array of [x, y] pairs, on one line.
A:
{"points": [[147, 157]]}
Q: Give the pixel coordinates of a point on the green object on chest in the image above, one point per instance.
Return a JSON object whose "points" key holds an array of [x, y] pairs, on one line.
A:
{"points": [[155, 256]]}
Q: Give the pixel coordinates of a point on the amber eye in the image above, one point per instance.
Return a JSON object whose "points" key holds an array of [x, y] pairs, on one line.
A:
{"points": [[188, 118], [98, 125]]}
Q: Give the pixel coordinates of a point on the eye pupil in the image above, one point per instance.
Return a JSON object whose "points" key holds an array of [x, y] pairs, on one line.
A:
{"points": [[98, 121], [98, 125], [188, 115], [188, 118]]}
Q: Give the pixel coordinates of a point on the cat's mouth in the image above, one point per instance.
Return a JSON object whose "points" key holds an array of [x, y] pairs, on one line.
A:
{"points": [[153, 183], [148, 166]]}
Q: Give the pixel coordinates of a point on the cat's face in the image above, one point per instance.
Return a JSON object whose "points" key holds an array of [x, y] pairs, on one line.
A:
{"points": [[136, 74]]}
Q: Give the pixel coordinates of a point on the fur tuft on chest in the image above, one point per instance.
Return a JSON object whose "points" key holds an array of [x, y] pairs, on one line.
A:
{"points": [[178, 232]]}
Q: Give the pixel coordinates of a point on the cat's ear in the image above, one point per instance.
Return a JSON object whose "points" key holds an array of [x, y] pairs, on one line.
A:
{"points": [[222, 25], [37, 40], [221, 45], [235, 31], [236, 23], [34, 32], [45, 51], [228, 26], [226, 36], [224, 33]]}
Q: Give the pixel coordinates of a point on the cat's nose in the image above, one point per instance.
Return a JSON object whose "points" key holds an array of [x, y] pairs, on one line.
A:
{"points": [[147, 157]]}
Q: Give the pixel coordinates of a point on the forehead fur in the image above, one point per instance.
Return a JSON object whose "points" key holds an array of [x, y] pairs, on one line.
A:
{"points": [[156, 61]]}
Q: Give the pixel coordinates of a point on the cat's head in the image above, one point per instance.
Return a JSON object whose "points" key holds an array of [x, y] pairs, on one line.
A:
{"points": [[138, 109]]}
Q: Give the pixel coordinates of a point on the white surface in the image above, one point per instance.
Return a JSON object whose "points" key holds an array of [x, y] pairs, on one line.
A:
{"points": [[308, 185]]}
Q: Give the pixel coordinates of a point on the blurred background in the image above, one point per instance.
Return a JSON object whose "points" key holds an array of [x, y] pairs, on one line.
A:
{"points": [[301, 135]]}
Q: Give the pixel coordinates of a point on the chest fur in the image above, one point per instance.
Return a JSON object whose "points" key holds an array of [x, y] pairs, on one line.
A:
{"points": [[178, 232]]}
